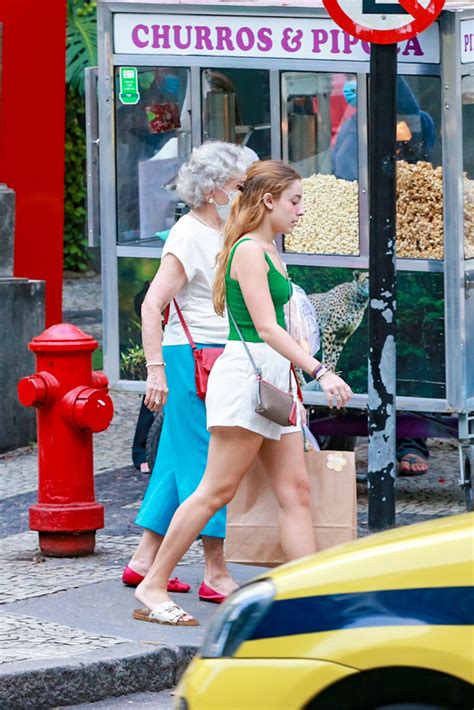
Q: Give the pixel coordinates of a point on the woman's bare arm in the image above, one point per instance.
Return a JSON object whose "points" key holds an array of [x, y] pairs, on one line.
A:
{"points": [[250, 268], [167, 283]]}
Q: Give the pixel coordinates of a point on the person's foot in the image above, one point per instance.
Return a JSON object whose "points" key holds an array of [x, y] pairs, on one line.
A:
{"points": [[167, 613], [413, 465], [144, 468], [224, 585], [206, 594], [131, 578], [154, 599]]}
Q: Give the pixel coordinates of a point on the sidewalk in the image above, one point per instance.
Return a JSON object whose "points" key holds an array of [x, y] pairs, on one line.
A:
{"points": [[66, 631]]}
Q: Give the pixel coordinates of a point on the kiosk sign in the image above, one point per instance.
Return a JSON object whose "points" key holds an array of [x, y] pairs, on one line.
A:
{"points": [[384, 21], [128, 92]]}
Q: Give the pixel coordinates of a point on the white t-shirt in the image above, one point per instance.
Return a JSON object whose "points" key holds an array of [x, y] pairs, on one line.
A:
{"points": [[196, 247]]}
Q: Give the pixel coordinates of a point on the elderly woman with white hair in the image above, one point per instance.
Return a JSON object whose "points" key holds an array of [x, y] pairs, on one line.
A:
{"points": [[186, 276]]}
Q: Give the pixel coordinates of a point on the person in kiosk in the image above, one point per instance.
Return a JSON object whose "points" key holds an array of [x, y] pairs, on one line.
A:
{"points": [[251, 280], [415, 141], [185, 280]]}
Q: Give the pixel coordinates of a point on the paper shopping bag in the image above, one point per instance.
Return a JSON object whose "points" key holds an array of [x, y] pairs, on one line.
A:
{"points": [[253, 535]]}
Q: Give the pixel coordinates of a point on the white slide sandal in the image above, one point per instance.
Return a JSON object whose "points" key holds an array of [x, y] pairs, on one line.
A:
{"points": [[166, 613]]}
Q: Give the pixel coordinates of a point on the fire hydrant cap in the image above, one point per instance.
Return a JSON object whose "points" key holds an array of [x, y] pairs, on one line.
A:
{"points": [[32, 390], [63, 337], [93, 410]]}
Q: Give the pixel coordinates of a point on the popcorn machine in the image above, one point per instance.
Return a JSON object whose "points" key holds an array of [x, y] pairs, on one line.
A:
{"points": [[290, 84]]}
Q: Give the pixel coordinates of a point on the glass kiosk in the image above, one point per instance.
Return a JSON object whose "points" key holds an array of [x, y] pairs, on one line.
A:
{"points": [[290, 84]]}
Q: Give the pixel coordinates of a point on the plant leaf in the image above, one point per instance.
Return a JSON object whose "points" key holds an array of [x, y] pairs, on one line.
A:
{"points": [[81, 45]]}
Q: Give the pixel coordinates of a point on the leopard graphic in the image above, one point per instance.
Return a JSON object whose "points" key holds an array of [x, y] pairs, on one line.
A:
{"points": [[339, 313]]}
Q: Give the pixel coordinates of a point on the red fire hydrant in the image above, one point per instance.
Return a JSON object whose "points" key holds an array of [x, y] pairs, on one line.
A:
{"points": [[72, 403]]}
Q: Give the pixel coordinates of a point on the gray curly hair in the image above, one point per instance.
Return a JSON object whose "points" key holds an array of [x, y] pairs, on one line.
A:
{"points": [[210, 166]]}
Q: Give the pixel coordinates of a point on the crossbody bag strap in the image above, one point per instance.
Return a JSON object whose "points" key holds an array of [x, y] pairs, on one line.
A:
{"points": [[258, 372], [290, 388], [183, 323]]}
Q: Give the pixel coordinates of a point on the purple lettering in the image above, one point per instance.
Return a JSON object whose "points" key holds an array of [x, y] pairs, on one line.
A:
{"points": [[224, 39], [468, 42], [335, 42], [291, 41], [366, 46], [245, 38], [136, 39], [179, 43], [265, 41], [349, 42], [161, 36], [203, 38], [320, 37], [413, 45]]}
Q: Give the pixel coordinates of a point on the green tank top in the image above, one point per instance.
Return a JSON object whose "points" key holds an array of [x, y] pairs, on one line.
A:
{"points": [[280, 290]]}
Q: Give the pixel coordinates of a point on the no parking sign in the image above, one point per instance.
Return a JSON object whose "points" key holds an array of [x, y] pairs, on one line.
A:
{"points": [[384, 21]]}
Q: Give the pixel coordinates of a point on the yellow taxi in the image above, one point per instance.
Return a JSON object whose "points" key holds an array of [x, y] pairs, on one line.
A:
{"points": [[383, 623]]}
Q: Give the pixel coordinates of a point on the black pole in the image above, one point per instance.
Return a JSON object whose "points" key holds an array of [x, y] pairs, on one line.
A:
{"points": [[382, 301]]}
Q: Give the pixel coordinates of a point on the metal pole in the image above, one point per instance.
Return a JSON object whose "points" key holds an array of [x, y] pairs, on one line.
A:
{"points": [[382, 302]]}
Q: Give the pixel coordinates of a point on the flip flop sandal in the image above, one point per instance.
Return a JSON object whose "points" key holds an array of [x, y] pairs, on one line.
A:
{"points": [[410, 460], [167, 613]]}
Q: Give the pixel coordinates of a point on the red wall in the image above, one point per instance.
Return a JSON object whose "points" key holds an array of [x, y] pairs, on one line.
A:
{"points": [[32, 117]]}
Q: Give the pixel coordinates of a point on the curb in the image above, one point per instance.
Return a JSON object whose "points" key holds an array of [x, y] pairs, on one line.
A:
{"points": [[78, 682]]}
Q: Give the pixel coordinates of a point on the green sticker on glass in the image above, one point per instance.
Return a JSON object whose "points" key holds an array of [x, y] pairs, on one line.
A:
{"points": [[129, 93]]}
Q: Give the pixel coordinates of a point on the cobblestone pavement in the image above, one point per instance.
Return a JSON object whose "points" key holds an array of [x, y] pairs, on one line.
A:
{"points": [[81, 293], [26, 574], [434, 494], [25, 638], [82, 303]]}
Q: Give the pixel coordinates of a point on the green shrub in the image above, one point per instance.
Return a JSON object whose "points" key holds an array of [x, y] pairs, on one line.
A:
{"points": [[81, 52], [75, 242]]}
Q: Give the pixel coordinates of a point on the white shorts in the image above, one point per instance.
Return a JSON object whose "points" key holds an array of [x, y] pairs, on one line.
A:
{"points": [[232, 389]]}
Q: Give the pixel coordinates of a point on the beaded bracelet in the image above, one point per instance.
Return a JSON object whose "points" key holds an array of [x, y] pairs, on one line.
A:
{"points": [[150, 364]]}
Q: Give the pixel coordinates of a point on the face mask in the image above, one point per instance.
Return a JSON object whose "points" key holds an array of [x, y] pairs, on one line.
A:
{"points": [[224, 210], [350, 92], [171, 84]]}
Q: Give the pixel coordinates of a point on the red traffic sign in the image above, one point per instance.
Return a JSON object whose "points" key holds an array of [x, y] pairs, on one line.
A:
{"points": [[384, 21]]}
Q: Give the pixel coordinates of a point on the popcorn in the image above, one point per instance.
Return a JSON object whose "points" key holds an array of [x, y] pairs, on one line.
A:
{"points": [[330, 224], [420, 230]]}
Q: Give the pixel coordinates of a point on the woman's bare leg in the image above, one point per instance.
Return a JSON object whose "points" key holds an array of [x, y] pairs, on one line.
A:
{"points": [[231, 452], [145, 554], [284, 464], [216, 573]]}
